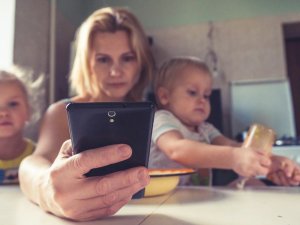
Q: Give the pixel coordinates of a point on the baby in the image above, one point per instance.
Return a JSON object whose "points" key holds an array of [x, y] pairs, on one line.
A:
{"points": [[182, 138], [15, 113]]}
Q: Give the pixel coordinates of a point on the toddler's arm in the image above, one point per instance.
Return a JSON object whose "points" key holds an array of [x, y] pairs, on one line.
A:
{"points": [[223, 140], [200, 155]]}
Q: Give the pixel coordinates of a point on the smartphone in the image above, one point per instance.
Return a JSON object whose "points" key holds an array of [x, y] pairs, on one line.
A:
{"points": [[94, 125]]}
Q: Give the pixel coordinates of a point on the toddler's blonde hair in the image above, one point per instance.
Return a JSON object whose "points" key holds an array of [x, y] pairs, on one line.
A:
{"points": [[172, 68], [33, 89]]}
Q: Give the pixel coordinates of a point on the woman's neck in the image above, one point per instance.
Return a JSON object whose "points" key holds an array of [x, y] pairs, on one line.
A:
{"points": [[11, 147], [95, 99]]}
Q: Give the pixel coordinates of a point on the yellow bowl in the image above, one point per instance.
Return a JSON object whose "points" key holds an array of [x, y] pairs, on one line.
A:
{"points": [[161, 185], [163, 181]]}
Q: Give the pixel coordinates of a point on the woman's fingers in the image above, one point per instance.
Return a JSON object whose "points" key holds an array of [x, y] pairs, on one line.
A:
{"points": [[83, 162], [132, 180], [82, 198], [97, 212], [105, 204]]}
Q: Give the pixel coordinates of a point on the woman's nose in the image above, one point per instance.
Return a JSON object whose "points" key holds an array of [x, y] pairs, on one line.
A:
{"points": [[115, 70]]}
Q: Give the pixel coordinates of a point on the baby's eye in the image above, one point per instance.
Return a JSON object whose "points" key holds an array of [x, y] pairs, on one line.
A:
{"points": [[192, 92], [207, 97], [13, 104]]}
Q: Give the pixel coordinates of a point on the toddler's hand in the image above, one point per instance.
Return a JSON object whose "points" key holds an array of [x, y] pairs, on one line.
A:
{"points": [[248, 162]]}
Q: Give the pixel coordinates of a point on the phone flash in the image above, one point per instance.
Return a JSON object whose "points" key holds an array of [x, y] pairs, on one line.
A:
{"points": [[111, 120]]}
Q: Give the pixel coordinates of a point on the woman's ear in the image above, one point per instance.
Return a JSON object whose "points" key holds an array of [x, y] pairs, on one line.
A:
{"points": [[163, 95]]}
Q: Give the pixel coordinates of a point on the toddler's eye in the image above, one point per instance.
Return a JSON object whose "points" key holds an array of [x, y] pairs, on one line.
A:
{"points": [[13, 104], [207, 97], [192, 92]]}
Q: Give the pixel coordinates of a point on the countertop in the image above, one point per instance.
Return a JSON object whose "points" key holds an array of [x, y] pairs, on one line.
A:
{"points": [[184, 206]]}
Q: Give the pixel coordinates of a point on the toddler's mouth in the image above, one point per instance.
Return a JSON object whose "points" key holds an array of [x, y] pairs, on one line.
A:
{"points": [[199, 110], [5, 123]]}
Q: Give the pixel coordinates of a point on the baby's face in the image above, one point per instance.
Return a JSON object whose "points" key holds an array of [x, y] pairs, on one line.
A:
{"points": [[14, 110], [189, 98]]}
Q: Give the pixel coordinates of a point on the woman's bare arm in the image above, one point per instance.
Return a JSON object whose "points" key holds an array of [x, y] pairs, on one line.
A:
{"points": [[54, 179]]}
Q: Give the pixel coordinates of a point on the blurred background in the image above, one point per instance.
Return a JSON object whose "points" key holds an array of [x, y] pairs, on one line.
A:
{"points": [[252, 47]]}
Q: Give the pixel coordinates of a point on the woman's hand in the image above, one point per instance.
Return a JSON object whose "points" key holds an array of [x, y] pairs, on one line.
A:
{"points": [[66, 192], [248, 162], [284, 171]]}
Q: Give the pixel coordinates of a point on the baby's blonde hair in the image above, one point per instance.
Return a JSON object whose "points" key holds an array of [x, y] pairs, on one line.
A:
{"points": [[110, 20], [172, 69], [32, 89]]}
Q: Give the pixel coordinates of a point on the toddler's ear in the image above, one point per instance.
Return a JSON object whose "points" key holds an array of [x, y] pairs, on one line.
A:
{"points": [[163, 95], [29, 113]]}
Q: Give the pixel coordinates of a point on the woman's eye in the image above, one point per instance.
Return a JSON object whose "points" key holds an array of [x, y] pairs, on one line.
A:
{"points": [[13, 104], [103, 59], [128, 58]]}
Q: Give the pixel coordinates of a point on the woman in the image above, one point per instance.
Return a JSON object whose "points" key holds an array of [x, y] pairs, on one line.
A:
{"points": [[112, 63]]}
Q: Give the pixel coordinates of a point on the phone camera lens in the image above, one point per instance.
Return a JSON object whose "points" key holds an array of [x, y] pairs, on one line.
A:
{"points": [[111, 114]]}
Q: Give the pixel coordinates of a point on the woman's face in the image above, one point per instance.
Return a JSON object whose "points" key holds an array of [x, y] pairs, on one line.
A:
{"points": [[115, 64]]}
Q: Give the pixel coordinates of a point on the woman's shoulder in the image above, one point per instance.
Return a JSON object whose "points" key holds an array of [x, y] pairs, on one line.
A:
{"points": [[58, 107]]}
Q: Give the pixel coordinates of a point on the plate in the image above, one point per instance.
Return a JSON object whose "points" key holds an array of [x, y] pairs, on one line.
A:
{"points": [[162, 181]]}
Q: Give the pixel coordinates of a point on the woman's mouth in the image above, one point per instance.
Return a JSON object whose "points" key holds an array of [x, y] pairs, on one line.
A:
{"points": [[117, 85]]}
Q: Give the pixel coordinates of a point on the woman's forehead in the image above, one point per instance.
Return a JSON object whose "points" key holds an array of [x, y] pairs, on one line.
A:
{"points": [[108, 42]]}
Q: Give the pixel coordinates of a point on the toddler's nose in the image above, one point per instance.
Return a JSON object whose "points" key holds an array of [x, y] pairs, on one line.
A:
{"points": [[3, 112]]}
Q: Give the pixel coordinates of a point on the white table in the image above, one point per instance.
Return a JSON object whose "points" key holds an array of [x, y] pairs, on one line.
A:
{"points": [[184, 206]]}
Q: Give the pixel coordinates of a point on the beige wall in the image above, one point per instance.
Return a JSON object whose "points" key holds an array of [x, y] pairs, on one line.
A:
{"points": [[31, 43]]}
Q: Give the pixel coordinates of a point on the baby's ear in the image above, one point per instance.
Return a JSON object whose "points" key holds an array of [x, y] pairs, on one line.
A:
{"points": [[29, 113], [163, 95]]}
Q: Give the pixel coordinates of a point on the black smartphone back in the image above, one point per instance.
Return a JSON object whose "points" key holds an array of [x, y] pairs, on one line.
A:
{"points": [[95, 125]]}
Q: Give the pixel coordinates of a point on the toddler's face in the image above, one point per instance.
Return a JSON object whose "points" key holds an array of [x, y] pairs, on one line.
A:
{"points": [[189, 96], [14, 111]]}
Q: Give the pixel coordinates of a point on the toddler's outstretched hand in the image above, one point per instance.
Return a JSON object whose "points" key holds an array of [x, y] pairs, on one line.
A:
{"points": [[248, 162]]}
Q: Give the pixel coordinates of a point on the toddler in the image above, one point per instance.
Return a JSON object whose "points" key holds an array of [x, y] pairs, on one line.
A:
{"points": [[182, 138], [15, 113]]}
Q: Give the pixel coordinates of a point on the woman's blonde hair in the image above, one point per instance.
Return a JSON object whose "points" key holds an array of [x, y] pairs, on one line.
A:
{"points": [[172, 68], [110, 20]]}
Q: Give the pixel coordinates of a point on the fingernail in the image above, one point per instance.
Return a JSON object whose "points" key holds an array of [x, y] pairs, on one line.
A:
{"points": [[124, 151]]}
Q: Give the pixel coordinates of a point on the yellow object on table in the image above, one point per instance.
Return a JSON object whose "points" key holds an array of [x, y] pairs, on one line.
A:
{"points": [[163, 181]]}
